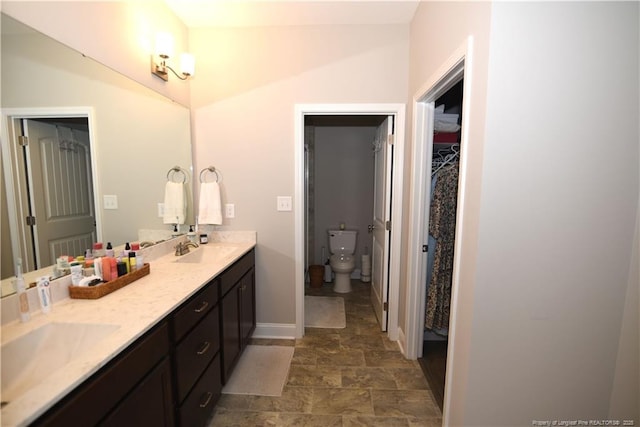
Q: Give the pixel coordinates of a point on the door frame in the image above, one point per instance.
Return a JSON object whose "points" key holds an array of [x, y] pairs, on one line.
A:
{"points": [[458, 66], [11, 166], [396, 110]]}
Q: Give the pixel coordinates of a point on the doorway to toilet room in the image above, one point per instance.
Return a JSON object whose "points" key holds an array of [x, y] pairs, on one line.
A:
{"points": [[344, 186], [339, 196]]}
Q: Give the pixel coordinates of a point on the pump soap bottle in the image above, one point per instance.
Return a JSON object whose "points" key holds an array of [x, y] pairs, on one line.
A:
{"points": [[23, 300]]}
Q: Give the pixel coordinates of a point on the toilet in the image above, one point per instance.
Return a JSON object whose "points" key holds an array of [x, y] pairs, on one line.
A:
{"points": [[342, 245]]}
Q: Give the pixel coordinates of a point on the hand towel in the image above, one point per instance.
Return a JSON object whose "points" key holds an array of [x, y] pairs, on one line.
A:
{"points": [[174, 203], [210, 208]]}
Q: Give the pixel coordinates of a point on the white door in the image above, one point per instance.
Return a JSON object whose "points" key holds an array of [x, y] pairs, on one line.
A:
{"points": [[61, 191], [381, 220]]}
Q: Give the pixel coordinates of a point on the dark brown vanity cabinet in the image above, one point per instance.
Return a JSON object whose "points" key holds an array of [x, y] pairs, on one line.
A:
{"points": [[238, 312], [196, 356], [173, 374], [133, 389]]}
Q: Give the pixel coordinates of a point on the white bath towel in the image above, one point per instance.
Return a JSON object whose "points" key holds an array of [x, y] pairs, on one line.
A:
{"points": [[174, 203], [210, 207]]}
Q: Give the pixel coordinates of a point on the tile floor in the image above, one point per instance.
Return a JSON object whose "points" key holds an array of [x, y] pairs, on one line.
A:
{"points": [[340, 377]]}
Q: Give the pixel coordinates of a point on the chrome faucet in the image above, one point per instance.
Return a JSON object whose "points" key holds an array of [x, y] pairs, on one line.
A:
{"points": [[182, 248]]}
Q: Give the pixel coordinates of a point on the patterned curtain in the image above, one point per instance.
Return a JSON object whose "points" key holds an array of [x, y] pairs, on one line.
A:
{"points": [[442, 226]]}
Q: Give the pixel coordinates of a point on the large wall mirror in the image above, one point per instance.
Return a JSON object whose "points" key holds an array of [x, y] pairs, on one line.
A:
{"points": [[115, 138]]}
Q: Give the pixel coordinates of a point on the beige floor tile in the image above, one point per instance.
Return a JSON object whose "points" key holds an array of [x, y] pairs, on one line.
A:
{"points": [[314, 376], [367, 421], [379, 378], [341, 401], [299, 420], [293, 399], [404, 403]]}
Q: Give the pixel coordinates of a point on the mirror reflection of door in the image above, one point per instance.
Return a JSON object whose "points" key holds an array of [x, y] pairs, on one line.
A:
{"points": [[59, 188]]}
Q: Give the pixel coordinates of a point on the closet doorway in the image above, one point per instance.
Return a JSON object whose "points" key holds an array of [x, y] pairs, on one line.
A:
{"points": [[442, 206], [456, 70]]}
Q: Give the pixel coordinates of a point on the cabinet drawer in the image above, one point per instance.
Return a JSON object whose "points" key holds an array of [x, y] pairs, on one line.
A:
{"points": [[231, 276], [198, 406], [195, 309], [195, 352]]}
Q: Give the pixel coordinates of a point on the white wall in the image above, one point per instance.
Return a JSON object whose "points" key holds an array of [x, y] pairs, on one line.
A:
{"points": [[344, 184], [558, 213], [119, 34], [244, 122]]}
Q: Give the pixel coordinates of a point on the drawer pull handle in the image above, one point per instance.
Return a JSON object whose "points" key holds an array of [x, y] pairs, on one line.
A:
{"points": [[202, 308], [206, 402], [204, 349]]}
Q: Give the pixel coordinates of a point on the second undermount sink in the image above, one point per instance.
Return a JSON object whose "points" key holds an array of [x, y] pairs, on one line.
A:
{"points": [[27, 360], [196, 255]]}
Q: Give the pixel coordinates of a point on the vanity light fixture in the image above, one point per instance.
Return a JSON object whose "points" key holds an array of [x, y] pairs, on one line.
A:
{"points": [[164, 51]]}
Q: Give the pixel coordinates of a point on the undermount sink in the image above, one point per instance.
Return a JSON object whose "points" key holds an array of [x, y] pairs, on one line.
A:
{"points": [[213, 253], [37, 354], [194, 256]]}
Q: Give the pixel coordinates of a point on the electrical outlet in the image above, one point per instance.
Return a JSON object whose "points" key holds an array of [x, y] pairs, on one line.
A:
{"points": [[160, 210], [110, 201], [229, 210], [284, 203]]}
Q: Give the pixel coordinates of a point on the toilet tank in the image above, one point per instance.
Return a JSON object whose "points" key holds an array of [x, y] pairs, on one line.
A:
{"points": [[342, 241]]}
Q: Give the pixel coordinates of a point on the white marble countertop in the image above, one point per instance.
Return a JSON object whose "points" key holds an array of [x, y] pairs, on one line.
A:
{"points": [[134, 309]]}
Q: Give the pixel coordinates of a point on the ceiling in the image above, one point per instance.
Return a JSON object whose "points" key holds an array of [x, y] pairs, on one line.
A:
{"points": [[249, 13]]}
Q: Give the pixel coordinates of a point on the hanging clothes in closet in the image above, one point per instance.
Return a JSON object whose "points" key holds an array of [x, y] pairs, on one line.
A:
{"points": [[442, 228]]}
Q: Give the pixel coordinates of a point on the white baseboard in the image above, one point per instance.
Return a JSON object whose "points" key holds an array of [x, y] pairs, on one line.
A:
{"points": [[402, 342], [275, 330]]}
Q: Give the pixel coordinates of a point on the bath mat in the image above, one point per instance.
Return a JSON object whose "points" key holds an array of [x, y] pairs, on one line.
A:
{"points": [[262, 370], [324, 312]]}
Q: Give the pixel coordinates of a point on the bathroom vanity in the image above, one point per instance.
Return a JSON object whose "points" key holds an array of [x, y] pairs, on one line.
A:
{"points": [[180, 331]]}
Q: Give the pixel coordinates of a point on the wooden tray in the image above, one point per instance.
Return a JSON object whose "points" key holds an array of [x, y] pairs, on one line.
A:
{"points": [[98, 291]]}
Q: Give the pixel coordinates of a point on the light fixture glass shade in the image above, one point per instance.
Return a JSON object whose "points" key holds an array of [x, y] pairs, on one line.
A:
{"points": [[164, 45], [187, 64]]}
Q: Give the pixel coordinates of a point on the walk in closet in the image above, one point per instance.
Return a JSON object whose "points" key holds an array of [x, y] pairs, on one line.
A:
{"points": [[443, 195]]}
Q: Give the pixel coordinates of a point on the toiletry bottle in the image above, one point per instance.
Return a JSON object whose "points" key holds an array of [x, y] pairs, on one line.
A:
{"points": [[175, 232], [109, 250], [88, 254], [44, 294], [98, 251], [132, 262], [106, 269], [127, 249], [114, 268], [76, 273], [191, 235], [23, 300], [135, 246]]}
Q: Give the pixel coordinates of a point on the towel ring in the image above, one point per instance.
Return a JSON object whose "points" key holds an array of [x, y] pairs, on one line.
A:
{"points": [[177, 169], [209, 169]]}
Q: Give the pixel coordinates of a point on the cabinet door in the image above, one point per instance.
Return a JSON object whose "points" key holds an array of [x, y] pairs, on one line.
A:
{"points": [[94, 399], [248, 306], [231, 339], [150, 403]]}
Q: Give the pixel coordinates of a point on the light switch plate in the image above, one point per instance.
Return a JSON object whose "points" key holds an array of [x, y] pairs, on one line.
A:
{"points": [[110, 201], [284, 203], [160, 210]]}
